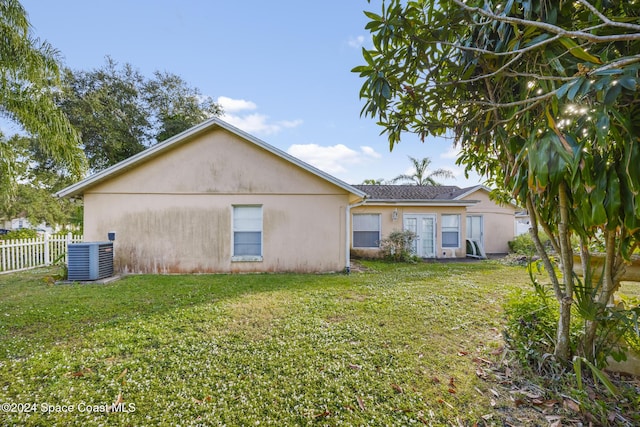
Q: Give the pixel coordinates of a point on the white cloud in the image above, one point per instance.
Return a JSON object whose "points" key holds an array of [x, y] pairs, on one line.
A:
{"points": [[235, 113], [332, 159], [370, 152], [231, 105], [452, 153], [355, 42]]}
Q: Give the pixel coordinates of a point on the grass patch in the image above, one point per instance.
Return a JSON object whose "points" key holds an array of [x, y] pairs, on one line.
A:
{"points": [[394, 345]]}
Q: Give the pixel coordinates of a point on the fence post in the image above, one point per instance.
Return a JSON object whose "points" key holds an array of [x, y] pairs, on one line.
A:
{"points": [[47, 251], [69, 240]]}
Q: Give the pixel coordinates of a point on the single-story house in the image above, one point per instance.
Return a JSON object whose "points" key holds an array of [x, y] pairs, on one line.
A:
{"points": [[448, 221], [216, 199]]}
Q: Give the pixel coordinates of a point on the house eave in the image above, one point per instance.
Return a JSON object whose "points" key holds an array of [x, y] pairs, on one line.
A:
{"points": [[472, 190]]}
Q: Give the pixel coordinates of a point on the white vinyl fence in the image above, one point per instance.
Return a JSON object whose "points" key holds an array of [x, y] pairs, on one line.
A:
{"points": [[23, 254]]}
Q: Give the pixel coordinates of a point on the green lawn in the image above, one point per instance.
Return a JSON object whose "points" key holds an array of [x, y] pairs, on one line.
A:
{"points": [[393, 345]]}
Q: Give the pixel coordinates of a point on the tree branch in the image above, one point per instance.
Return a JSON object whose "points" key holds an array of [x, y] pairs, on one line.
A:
{"points": [[616, 64], [516, 103], [493, 53], [606, 20], [550, 27], [548, 265]]}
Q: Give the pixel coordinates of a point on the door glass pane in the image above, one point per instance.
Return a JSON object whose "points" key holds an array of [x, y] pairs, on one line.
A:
{"points": [[428, 243], [411, 224]]}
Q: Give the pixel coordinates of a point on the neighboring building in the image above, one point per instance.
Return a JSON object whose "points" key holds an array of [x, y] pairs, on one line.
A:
{"points": [[442, 217], [20, 223], [523, 222], [216, 199]]}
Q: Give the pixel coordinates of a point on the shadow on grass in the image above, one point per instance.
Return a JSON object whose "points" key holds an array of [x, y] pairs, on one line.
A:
{"points": [[36, 312], [33, 309]]}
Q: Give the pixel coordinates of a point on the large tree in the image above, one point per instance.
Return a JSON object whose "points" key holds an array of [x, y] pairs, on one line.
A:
{"points": [[421, 174], [120, 112], [38, 178], [542, 98], [29, 77]]}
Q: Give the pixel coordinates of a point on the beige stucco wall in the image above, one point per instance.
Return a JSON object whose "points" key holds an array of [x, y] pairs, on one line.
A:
{"points": [[388, 225], [174, 212], [499, 221]]}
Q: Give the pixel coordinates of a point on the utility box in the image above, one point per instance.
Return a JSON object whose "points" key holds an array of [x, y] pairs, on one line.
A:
{"points": [[89, 261]]}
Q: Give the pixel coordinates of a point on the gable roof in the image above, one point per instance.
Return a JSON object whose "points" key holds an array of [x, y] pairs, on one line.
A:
{"points": [[155, 150], [419, 194]]}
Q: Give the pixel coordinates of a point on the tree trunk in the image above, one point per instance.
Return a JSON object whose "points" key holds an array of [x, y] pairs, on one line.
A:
{"points": [[548, 265], [610, 280], [562, 350]]}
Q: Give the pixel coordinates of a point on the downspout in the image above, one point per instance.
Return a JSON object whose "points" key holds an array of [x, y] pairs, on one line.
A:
{"points": [[347, 223]]}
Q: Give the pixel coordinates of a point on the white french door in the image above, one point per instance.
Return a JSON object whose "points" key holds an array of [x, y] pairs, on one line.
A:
{"points": [[424, 227]]}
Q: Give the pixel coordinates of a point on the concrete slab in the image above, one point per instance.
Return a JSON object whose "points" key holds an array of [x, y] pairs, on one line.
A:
{"points": [[104, 281]]}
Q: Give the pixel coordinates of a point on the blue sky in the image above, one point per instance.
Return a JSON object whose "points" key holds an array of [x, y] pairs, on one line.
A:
{"points": [[280, 68]]}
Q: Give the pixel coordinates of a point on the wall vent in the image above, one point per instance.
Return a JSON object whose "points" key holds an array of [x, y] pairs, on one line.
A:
{"points": [[89, 261]]}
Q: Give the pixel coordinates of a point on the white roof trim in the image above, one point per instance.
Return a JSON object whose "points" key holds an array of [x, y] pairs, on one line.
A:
{"points": [[80, 186], [473, 190], [480, 187], [428, 202]]}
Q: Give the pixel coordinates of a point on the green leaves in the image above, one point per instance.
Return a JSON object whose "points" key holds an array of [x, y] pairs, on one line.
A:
{"points": [[577, 51], [612, 93], [597, 373], [550, 117], [30, 79], [628, 82], [120, 112]]}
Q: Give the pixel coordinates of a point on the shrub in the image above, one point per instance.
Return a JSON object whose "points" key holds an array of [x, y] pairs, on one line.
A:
{"points": [[523, 244], [398, 246], [530, 329], [22, 233]]}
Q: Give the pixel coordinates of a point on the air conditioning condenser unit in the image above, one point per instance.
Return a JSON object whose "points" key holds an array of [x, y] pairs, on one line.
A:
{"points": [[89, 261]]}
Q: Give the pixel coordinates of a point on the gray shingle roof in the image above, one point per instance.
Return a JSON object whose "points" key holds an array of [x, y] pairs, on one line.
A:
{"points": [[412, 192]]}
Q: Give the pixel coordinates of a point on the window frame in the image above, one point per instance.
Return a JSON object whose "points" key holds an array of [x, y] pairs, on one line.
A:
{"points": [[354, 231], [234, 230], [449, 229]]}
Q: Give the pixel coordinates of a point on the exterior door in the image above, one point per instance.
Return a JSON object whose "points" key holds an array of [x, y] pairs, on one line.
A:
{"points": [[474, 229], [424, 227]]}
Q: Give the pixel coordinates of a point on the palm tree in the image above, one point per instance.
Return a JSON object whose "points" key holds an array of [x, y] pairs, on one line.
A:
{"points": [[29, 79], [420, 175], [372, 181]]}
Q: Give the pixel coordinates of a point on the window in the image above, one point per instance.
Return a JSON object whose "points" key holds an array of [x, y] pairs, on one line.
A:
{"points": [[366, 230], [450, 231], [247, 233]]}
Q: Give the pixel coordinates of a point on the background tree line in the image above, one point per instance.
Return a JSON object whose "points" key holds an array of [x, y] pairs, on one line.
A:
{"points": [[76, 121]]}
